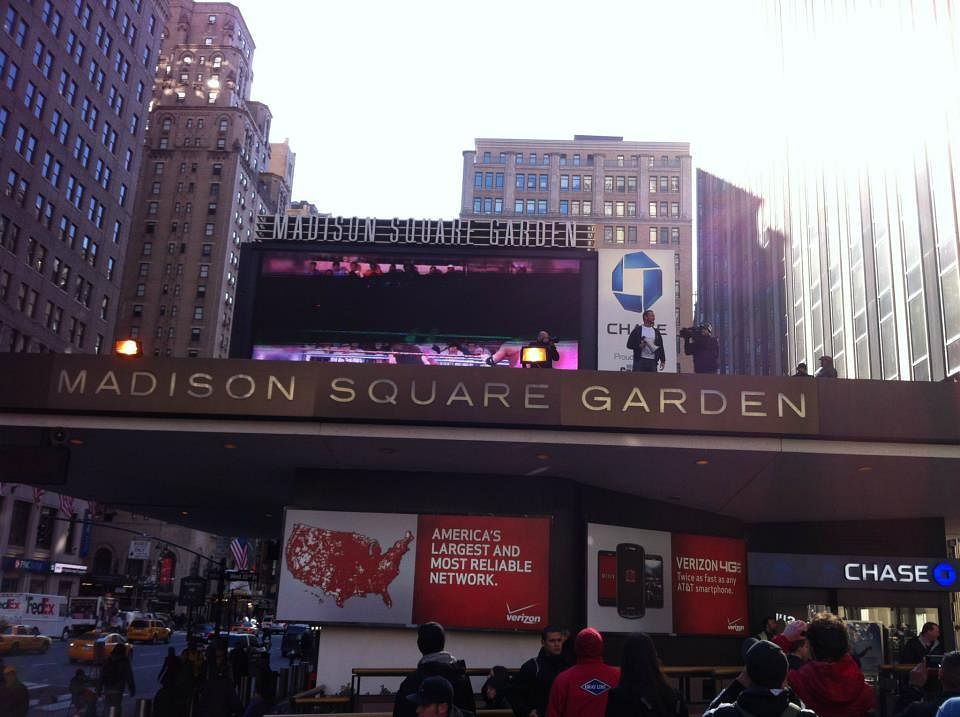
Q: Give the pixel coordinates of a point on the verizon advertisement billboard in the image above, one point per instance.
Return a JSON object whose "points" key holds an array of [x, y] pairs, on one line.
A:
{"points": [[665, 583], [379, 568]]}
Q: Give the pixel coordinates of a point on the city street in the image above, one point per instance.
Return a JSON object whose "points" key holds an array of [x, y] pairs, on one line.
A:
{"points": [[47, 676]]}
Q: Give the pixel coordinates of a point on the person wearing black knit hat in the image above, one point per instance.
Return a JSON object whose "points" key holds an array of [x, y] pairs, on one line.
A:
{"points": [[766, 696], [436, 662]]}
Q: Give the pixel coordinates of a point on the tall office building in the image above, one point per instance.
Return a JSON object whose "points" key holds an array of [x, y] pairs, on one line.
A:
{"points": [[863, 183], [76, 81], [205, 178], [636, 194], [740, 279]]}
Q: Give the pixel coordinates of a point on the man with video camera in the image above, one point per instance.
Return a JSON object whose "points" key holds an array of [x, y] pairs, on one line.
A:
{"points": [[549, 346], [699, 342]]}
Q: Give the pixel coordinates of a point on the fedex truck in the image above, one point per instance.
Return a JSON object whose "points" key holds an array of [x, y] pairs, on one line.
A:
{"points": [[47, 613]]}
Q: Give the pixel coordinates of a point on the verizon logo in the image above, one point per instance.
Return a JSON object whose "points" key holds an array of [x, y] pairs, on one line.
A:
{"points": [[735, 625], [518, 615]]}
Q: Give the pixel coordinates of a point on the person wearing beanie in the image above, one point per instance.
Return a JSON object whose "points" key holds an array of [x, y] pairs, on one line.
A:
{"points": [[434, 698], [583, 690], [436, 662], [831, 683], [765, 694]]}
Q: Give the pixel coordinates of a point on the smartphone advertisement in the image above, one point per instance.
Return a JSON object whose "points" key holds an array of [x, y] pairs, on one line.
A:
{"points": [[627, 587], [653, 581]]}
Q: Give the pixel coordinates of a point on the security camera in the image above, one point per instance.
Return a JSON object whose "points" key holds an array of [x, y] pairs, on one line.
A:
{"points": [[58, 436]]}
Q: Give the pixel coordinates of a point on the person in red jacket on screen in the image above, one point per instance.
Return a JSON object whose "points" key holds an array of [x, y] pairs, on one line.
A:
{"points": [[831, 684], [582, 690]]}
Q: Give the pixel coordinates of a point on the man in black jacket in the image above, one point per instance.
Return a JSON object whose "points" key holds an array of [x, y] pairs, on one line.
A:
{"points": [[704, 348], [766, 668], [949, 679], [435, 663], [434, 698], [532, 684], [646, 342]]}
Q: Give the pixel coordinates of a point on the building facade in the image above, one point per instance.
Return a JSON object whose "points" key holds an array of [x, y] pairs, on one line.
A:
{"points": [[76, 82], [43, 544], [865, 197], [204, 181], [740, 279], [636, 194]]}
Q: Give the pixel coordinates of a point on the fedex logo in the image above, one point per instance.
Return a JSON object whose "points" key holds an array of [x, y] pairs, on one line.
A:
{"points": [[41, 607], [10, 604]]}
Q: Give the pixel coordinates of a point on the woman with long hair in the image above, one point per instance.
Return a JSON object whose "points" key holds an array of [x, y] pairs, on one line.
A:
{"points": [[643, 690]]}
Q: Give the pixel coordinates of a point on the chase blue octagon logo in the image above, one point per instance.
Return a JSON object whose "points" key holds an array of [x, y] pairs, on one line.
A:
{"points": [[944, 574], [637, 282]]}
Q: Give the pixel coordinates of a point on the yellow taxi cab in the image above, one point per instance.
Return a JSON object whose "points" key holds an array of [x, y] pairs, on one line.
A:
{"points": [[96, 646], [244, 629], [144, 630], [21, 638]]}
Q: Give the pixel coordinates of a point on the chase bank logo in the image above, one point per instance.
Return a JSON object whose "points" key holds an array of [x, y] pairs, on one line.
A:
{"points": [[637, 282], [944, 574]]}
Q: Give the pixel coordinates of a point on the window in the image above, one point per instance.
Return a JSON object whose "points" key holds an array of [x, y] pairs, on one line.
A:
{"points": [[564, 207], [487, 158], [631, 209], [587, 208], [675, 235], [608, 235], [588, 182], [663, 209], [542, 206], [608, 184], [575, 183], [532, 182], [488, 180], [198, 313], [631, 184], [674, 210], [564, 182], [653, 185], [519, 158], [518, 206], [487, 205], [477, 204], [204, 271], [653, 235], [652, 209], [544, 182], [608, 209], [520, 181], [663, 183], [533, 158], [478, 179], [498, 205], [674, 184], [498, 180], [619, 209], [531, 206], [621, 184]]}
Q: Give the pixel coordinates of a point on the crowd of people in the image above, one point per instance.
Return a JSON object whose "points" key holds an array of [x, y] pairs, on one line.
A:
{"points": [[795, 669]]}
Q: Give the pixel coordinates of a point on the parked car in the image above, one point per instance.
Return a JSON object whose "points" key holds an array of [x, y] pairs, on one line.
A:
{"points": [[148, 631], [290, 644], [21, 638], [96, 646]]}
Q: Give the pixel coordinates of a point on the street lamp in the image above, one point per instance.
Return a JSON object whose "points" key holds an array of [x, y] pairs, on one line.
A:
{"points": [[127, 347]]}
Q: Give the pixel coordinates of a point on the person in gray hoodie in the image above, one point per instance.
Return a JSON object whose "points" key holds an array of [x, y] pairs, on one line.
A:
{"points": [[431, 639]]}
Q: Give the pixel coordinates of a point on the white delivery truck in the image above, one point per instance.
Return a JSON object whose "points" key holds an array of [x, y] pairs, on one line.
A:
{"points": [[47, 613]]}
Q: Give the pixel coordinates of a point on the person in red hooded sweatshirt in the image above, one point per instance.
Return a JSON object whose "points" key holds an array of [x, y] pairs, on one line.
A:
{"points": [[831, 684], [582, 690]]}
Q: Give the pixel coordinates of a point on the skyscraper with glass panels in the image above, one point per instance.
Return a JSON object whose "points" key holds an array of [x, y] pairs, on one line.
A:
{"points": [[859, 170]]}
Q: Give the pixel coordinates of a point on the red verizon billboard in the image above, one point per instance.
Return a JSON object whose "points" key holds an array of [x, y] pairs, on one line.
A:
{"points": [[709, 585], [483, 572]]}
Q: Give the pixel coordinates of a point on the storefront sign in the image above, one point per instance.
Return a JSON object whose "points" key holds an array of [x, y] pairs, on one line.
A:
{"points": [[193, 591], [665, 583], [845, 571], [25, 565], [69, 568], [464, 571], [428, 232]]}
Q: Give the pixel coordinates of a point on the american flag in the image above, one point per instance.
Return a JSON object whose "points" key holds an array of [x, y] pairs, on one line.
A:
{"points": [[241, 552], [38, 493], [66, 505]]}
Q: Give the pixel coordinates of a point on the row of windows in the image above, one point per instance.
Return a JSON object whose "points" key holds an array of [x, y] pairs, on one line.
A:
{"points": [[533, 158], [566, 207], [26, 301], [628, 235], [575, 183]]}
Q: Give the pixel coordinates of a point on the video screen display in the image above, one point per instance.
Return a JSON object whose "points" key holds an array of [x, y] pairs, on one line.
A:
{"points": [[431, 309]]}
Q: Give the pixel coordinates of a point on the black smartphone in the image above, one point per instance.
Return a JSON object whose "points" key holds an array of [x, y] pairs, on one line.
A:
{"points": [[653, 581], [630, 581], [606, 578]]}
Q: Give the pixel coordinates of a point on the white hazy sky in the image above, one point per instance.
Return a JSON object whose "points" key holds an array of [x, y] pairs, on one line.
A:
{"points": [[352, 84]]}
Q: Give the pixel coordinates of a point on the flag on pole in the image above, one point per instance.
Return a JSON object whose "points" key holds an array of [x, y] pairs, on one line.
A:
{"points": [[66, 505], [241, 553], [38, 493]]}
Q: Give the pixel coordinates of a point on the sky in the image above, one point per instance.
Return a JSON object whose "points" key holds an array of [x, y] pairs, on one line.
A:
{"points": [[380, 99]]}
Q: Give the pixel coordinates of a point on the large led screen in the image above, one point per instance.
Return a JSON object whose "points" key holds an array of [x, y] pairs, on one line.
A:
{"points": [[433, 309]]}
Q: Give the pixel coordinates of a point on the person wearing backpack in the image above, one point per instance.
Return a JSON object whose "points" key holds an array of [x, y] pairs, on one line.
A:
{"points": [[436, 662], [766, 668], [643, 690]]}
